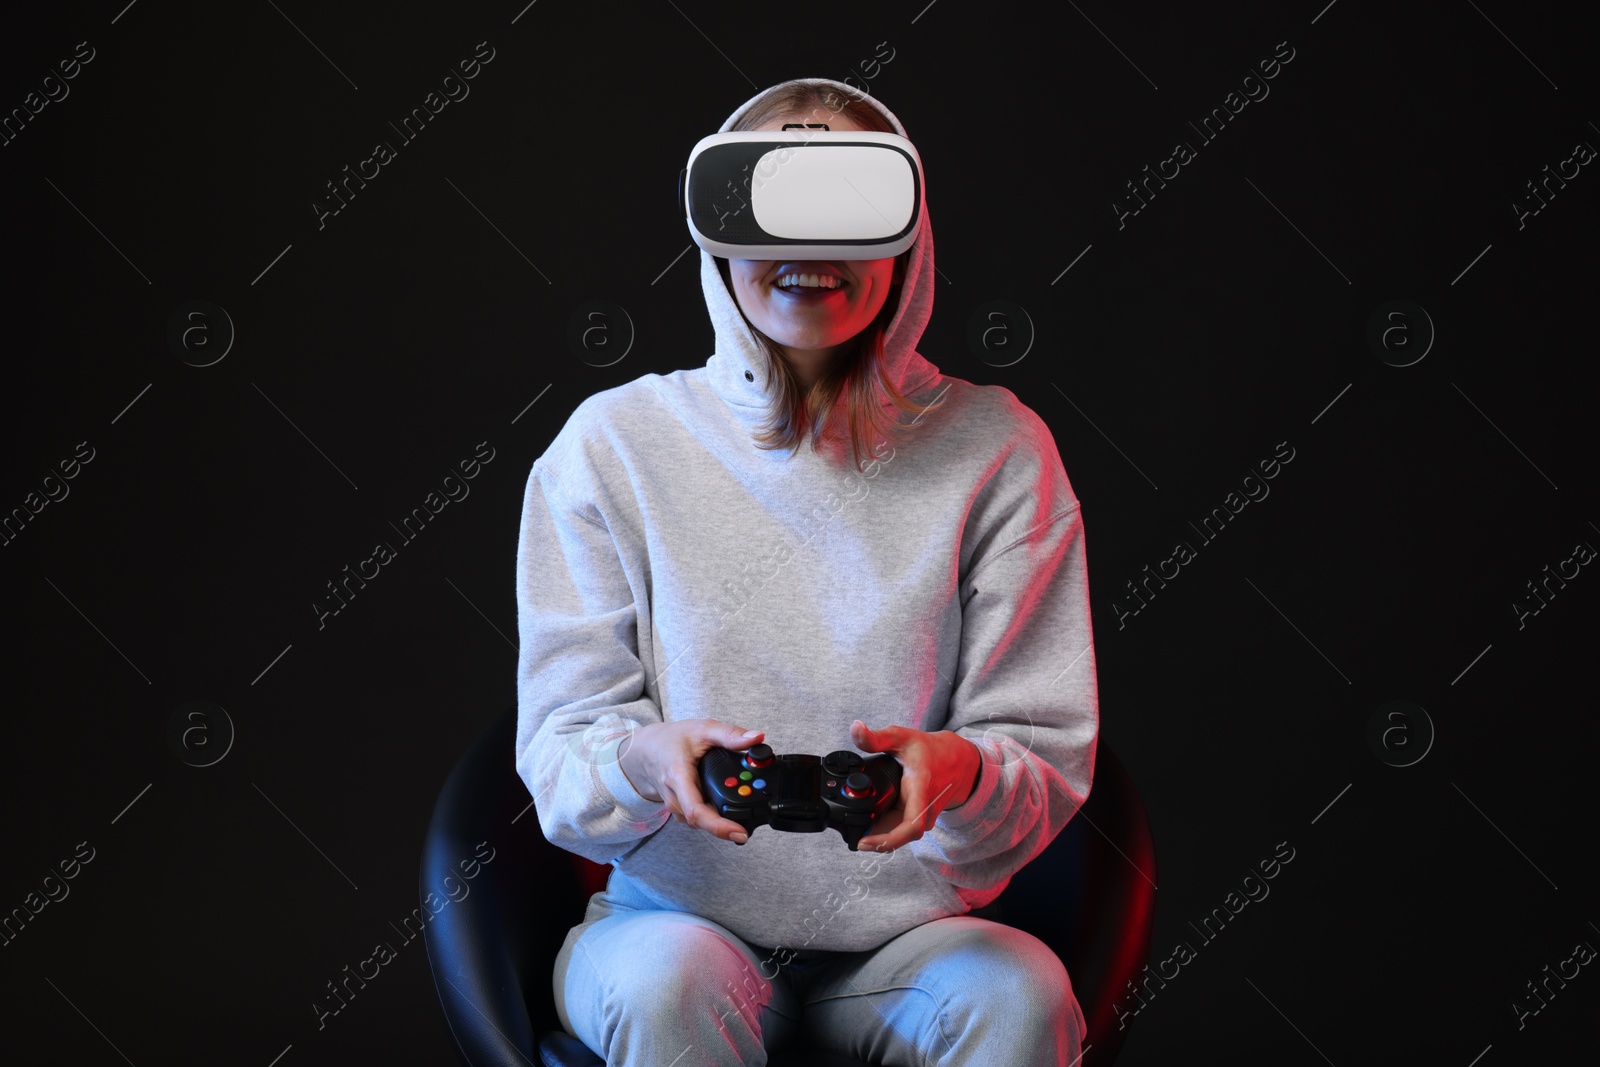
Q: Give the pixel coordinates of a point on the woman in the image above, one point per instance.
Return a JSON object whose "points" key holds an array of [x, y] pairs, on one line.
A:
{"points": [[708, 559]]}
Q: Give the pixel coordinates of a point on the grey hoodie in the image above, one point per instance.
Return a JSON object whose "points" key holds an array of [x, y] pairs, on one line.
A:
{"points": [[668, 569]]}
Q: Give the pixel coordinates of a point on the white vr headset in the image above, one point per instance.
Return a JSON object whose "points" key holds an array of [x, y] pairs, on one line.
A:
{"points": [[804, 193]]}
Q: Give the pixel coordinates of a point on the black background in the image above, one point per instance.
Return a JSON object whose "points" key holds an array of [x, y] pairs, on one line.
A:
{"points": [[1179, 349]]}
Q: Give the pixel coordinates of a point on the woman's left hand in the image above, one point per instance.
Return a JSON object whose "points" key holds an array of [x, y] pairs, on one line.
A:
{"points": [[939, 770]]}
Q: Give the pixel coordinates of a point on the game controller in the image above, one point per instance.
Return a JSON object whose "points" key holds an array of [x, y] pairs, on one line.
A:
{"points": [[800, 794]]}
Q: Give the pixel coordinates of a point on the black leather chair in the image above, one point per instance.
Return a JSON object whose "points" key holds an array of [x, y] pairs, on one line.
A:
{"points": [[491, 947]]}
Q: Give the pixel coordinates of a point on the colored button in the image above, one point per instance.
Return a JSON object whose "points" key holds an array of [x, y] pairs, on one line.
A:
{"points": [[832, 783], [760, 783], [745, 790], [745, 776]]}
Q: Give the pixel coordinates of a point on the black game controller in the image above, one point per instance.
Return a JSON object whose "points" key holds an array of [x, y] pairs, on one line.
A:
{"points": [[800, 794]]}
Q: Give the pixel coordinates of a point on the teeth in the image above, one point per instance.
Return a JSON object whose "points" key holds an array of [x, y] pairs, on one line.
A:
{"points": [[808, 281]]}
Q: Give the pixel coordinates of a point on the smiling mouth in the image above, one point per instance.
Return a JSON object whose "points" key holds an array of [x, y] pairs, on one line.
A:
{"points": [[808, 286]]}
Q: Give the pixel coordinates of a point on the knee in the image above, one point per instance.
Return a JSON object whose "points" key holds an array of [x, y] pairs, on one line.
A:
{"points": [[1010, 973], [687, 970]]}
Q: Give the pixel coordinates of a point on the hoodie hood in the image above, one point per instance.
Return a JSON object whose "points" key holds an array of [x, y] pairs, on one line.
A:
{"points": [[736, 349]]}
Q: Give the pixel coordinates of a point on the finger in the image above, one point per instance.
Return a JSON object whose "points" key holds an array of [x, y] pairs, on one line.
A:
{"points": [[880, 829], [928, 805], [867, 739], [670, 799], [895, 825], [682, 806], [909, 827], [746, 738], [727, 735], [701, 815], [928, 813]]}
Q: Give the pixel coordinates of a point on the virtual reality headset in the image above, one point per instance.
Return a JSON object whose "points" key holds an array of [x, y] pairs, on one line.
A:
{"points": [[803, 194]]}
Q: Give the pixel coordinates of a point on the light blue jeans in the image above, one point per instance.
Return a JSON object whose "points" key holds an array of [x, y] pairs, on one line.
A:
{"points": [[649, 988]]}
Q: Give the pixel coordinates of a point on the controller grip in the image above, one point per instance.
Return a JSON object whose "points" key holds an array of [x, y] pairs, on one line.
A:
{"points": [[859, 791], [852, 835], [717, 767]]}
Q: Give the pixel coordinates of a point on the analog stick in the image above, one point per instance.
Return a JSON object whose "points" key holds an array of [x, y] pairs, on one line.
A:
{"points": [[858, 785]]}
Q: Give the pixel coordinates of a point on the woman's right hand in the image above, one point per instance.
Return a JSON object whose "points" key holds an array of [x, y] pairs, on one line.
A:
{"points": [[662, 761]]}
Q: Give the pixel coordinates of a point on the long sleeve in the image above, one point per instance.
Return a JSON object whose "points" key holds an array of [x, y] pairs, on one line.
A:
{"points": [[1025, 692], [580, 683]]}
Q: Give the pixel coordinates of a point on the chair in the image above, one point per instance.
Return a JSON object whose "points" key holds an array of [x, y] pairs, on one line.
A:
{"points": [[1090, 896]]}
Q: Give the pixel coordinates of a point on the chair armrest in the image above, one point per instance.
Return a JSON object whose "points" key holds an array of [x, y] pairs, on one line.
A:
{"points": [[492, 945]]}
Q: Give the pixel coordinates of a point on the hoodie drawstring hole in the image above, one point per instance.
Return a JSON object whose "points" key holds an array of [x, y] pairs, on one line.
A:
{"points": [[749, 377]]}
